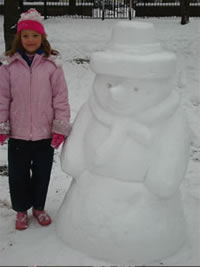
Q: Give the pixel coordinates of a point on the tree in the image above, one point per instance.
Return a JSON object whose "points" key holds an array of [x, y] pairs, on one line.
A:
{"points": [[11, 16]]}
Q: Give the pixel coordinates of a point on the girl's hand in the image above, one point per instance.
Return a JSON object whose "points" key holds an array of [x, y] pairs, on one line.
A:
{"points": [[3, 138], [57, 140]]}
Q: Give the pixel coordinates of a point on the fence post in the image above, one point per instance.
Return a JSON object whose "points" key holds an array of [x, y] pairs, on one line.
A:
{"points": [[103, 9], [72, 7], [45, 9], [82, 8], [185, 10], [130, 10], [114, 5]]}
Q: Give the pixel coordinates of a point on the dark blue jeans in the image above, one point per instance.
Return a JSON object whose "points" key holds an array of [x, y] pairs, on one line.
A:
{"points": [[29, 170]]}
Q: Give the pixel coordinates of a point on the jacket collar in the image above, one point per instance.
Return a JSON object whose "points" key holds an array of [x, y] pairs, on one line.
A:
{"points": [[28, 59], [7, 60]]}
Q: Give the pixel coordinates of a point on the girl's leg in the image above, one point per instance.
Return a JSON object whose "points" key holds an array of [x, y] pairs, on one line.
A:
{"points": [[19, 162], [41, 171]]}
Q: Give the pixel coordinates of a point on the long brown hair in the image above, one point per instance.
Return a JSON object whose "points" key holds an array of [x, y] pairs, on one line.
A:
{"points": [[17, 46]]}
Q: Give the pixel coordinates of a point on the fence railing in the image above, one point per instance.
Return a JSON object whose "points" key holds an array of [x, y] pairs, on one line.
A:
{"points": [[109, 8]]}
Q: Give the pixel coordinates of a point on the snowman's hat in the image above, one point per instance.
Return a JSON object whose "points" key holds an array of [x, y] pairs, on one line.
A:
{"points": [[133, 51]]}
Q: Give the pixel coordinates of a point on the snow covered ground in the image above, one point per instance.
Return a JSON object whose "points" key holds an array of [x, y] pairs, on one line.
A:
{"points": [[76, 39]]}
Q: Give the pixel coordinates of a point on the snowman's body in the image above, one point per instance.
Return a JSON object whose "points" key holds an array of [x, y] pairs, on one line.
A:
{"points": [[128, 152]]}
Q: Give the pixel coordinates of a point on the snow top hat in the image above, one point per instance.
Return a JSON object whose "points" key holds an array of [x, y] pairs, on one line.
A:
{"points": [[133, 51], [31, 20]]}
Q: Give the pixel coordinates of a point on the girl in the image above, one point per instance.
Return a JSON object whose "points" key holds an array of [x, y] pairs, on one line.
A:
{"points": [[34, 115]]}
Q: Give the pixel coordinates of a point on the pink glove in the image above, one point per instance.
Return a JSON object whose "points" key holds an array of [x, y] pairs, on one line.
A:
{"points": [[57, 140], [3, 138]]}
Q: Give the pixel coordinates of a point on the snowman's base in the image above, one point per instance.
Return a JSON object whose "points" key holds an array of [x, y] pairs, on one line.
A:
{"points": [[120, 222]]}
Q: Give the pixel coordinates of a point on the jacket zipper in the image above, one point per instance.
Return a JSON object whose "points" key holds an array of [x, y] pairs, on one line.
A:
{"points": [[30, 104]]}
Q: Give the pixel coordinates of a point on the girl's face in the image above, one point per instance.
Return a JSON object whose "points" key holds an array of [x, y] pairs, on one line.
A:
{"points": [[31, 40]]}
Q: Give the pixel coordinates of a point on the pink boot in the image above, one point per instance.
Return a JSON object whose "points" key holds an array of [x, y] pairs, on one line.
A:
{"points": [[21, 220], [42, 217]]}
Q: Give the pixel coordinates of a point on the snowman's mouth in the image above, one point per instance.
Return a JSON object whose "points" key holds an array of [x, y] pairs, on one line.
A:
{"points": [[120, 107], [120, 103]]}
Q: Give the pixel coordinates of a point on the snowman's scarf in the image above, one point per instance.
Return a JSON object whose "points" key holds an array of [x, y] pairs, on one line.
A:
{"points": [[135, 126]]}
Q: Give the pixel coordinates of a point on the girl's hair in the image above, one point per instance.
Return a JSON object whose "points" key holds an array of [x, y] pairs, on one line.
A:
{"points": [[17, 46]]}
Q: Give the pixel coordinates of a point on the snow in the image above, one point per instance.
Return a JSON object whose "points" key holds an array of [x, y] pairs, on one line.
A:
{"points": [[76, 40]]}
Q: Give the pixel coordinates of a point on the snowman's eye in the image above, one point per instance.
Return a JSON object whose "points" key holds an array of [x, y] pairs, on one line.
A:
{"points": [[109, 85], [136, 89]]}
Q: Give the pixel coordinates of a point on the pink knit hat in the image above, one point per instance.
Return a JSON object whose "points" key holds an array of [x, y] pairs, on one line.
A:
{"points": [[31, 20]]}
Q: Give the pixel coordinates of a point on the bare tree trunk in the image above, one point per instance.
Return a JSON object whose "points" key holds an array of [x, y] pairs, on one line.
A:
{"points": [[11, 15]]}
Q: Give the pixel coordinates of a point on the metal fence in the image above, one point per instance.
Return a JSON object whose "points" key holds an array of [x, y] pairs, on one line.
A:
{"points": [[86, 8], [109, 8]]}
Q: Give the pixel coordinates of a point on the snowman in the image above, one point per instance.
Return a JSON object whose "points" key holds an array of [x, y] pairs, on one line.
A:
{"points": [[127, 153]]}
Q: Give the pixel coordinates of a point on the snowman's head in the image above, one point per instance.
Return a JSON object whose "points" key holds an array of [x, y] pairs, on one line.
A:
{"points": [[134, 72], [130, 96]]}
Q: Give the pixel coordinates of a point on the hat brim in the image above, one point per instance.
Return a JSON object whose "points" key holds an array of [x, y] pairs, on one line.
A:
{"points": [[154, 65]]}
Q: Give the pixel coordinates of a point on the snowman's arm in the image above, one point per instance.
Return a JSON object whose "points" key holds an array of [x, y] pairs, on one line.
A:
{"points": [[72, 154], [170, 159]]}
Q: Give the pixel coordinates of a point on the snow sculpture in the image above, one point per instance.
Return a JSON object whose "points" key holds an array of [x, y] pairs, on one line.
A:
{"points": [[128, 152]]}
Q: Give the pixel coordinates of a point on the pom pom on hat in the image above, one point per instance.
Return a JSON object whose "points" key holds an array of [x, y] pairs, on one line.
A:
{"points": [[31, 20]]}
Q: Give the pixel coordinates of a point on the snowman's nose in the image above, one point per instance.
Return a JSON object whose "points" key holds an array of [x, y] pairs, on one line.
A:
{"points": [[119, 93]]}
